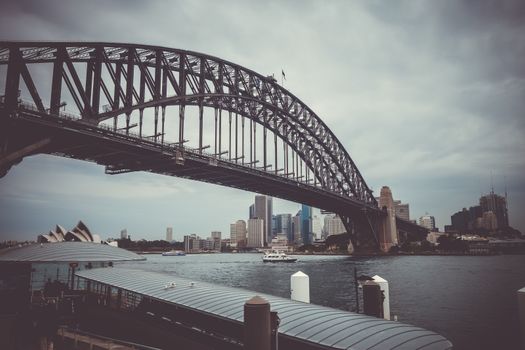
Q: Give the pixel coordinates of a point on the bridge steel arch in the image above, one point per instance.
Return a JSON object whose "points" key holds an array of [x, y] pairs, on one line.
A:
{"points": [[132, 79]]}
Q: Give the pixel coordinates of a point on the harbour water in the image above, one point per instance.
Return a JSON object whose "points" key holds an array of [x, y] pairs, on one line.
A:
{"points": [[471, 300]]}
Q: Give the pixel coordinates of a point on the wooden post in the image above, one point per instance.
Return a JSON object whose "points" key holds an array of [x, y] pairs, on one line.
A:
{"points": [[257, 330]]}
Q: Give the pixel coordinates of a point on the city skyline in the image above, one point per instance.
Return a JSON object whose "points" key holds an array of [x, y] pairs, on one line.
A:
{"points": [[427, 105]]}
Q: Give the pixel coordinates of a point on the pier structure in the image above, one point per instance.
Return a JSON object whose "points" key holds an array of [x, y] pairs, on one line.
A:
{"points": [[206, 316]]}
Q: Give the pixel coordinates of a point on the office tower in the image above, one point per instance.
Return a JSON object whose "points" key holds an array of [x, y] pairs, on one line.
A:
{"points": [[333, 225], [460, 221], [498, 205], [124, 234], [316, 227], [296, 229], [238, 234], [306, 224], [402, 210], [192, 243], [284, 225], [169, 234], [217, 241], [263, 210], [255, 233], [252, 212], [428, 221]]}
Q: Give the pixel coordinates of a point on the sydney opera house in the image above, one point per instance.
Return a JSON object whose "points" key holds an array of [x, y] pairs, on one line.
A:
{"points": [[80, 233]]}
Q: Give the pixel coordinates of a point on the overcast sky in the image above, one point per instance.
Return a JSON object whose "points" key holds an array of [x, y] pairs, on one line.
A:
{"points": [[428, 97]]}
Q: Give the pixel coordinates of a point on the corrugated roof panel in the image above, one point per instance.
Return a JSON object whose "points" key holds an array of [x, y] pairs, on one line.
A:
{"points": [[67, 252], [329, 327]]}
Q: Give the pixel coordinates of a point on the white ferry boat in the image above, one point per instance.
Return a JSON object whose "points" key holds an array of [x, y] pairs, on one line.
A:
{"points": [[174, 253], [277, 257]]}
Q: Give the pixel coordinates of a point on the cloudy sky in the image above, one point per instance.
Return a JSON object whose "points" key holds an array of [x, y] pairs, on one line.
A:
{"points": [[428, 97]]}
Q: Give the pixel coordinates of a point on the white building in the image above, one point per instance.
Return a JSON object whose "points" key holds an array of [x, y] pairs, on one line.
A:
{"points": [[428, 221], [316, 228], [169, 234], [333, 225]]}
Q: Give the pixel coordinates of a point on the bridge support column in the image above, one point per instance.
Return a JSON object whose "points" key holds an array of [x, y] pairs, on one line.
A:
{"points": [[387, 228]]}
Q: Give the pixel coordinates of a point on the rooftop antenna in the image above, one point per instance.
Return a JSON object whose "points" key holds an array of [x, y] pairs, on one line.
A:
{"points": [[491, 182]]}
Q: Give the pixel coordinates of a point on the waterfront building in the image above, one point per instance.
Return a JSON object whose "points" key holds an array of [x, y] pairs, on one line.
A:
{"points": [[216, 238], [255, 233], [263, 210], [191, 243], [169, 234], [428, 221], [284, 225], [306, 224], [238, 234], [80, 233], [29, 272], [280, 243], [274, 225], [498, 206], [460, 220], [296, 229]]}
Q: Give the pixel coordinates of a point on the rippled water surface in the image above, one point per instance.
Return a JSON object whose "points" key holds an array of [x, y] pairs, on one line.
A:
{"points": [[471, 300]]}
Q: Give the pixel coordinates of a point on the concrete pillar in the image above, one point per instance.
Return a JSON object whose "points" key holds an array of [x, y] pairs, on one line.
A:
{"points": [[257, 329], [372, 299], [521, 312], [383, 285], [388, 236], [300, 287]]}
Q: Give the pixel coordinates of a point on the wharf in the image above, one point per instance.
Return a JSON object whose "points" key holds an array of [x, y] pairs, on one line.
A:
{"points": [[213, 314]]}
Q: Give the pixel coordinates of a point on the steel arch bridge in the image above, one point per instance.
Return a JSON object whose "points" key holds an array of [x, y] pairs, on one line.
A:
{"points": [[131, 108]]}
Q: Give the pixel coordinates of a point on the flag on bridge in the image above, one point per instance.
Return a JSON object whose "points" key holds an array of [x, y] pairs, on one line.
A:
{"points": [[284, 75]]}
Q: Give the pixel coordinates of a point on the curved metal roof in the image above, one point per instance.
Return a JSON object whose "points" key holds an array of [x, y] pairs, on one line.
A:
{"points": [[332, 328], [67, 252]]}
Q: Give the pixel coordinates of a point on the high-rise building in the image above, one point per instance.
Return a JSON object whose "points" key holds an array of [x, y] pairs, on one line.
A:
{"points": [[169, 234], [251, 214], [498, 205], [238, 234], [255, 233], [316, 228], [192, 243], [124, 234], [428, 221], [284, 225], [333, 225], [263, 210], [216, 238], [460, 221], [402, 210], [274, 225], [296, 229], [306, 224]]}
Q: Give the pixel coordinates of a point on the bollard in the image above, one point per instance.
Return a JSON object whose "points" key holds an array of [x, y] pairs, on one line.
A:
{"points": [[372, 299], [383, 284], [300, 287], [257, 330], [521, 312]]}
